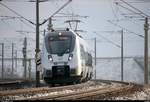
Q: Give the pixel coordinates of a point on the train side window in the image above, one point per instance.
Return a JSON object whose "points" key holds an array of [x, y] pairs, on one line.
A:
{"points": [[82, 52], [90, 59], [86, 59]]}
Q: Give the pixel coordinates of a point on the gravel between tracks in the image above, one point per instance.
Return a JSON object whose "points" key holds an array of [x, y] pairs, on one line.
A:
{"points": [[48, 93], [143, 94], [73, 88]]}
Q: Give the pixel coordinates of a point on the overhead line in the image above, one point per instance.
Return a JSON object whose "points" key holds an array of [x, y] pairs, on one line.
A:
{"points": [[27, 24], [125, 29], [115, 15], [73, 15], [8, 25], [138, 2], [12, 1], [20, 18], [135, 8], [39, 0], [24, 1], [9, 17], [108, 40], [17, 13], [55, 12], [130, 10]]}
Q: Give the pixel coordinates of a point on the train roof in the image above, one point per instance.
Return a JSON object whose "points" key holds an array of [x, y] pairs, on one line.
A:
{"points": [[61, 31]]}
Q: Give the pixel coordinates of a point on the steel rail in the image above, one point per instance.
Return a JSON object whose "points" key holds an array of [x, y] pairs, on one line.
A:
{"points": [[62, 95], [99, 87], [89, 93], [40, 89], [93, 93], [2, 83]]}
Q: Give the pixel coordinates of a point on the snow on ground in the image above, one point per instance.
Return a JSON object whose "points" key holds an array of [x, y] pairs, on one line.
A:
{"points": [[139, 95], [110, 69], [106, 68]]}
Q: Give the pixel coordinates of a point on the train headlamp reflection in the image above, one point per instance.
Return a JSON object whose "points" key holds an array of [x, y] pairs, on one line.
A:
{"points": [[60, 33], [50, 58], [70, 57]]}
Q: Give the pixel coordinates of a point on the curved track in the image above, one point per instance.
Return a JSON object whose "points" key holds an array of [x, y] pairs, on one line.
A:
{"points": [[90, 90], [15, 84]]}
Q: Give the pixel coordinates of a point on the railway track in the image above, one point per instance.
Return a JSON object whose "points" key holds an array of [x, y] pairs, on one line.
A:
{"points": [[99, 93], [11, 82], [29, 91], [94, 93], [15, 84], [90, 90], [83, 94]]}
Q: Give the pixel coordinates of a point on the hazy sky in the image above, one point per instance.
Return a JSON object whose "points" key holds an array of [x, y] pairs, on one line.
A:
{"points": [[98, 12]]}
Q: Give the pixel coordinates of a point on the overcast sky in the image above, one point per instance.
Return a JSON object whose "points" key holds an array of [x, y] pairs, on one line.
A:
{"points": [[98, 12]]}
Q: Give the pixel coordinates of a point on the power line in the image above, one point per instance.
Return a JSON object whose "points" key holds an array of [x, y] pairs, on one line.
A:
{"points": [[142, 1], [115, 15], [131, 15], [72, 15], [108, 40], [135, 9], [128, 18], [29, 32], [24, 0], [112, 32], [125, 29], [8, 25], [27, 24], [129, 9], [39, 0], [13, 1], [56, 12], [9, 17], [17, 13], [13, 17]]}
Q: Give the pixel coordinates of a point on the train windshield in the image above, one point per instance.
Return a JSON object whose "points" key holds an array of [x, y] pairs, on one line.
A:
{"points": [[60, 44]]}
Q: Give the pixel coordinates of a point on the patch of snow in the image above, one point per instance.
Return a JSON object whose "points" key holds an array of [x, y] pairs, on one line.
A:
{"points": [[110, 69]]}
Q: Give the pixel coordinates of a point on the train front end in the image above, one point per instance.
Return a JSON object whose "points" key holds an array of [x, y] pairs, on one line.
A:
{"points": [[59, 57]]}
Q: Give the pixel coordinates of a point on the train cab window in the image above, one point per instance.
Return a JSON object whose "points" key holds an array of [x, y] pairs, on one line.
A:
{"points": [[60, 45]]}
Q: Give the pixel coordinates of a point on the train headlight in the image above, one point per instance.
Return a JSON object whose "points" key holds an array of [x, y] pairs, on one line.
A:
{"points": [[50, 58], [70, 57]]}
